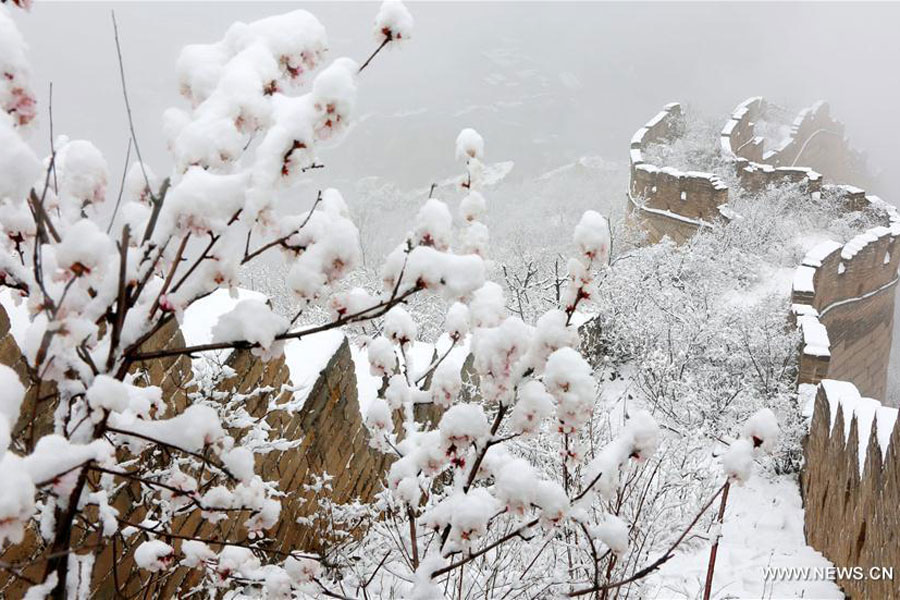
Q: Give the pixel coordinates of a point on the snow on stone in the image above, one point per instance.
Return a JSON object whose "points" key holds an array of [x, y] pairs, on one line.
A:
{"points": [[804, 277], [843, 395], [815, 336], [857, 243], [367, 384], [307, 357], [820, 252], [201, 316], [250, 320]]}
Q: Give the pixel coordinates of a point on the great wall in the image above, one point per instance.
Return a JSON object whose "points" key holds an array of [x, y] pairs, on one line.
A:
{"points": [[843, 299], [843, 302]]}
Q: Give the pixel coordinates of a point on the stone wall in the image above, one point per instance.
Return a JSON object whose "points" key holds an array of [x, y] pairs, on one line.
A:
{"points": [[843, 296], [756, 167], [843, 299], [851, 487], [664, 200], [667, 201], [173, 375], [333, 441]]}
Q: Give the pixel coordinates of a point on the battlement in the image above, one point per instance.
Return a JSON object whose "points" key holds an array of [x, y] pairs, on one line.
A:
{"points": [[843, 298], [851, 482], [756, 167], [670, 201]]}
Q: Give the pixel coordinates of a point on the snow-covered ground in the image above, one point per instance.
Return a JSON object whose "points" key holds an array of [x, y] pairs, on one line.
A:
{"points": [[763, 529]]}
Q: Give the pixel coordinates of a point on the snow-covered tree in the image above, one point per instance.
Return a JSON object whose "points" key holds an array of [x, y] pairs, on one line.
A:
{"points": [[100, 280], [518, 466]]}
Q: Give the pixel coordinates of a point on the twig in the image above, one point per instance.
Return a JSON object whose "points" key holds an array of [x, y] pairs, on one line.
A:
{"points": [[666, 556], [707, 590], [115, 211], [387, 40], [137, 148]]}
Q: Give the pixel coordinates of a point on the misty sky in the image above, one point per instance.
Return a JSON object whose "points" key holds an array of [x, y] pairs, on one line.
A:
{"points": [[544, 83]]}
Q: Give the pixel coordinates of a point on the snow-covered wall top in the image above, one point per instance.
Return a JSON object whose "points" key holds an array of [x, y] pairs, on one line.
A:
{"points": [[758, 167], [847, 409], [851, 483], [673, 202], [811, 144], [843, 296]]}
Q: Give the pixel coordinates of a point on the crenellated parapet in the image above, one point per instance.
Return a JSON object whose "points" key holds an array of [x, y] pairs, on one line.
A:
{"points": [[851, 485], [843, 297], [666, 200], [757, 167]]}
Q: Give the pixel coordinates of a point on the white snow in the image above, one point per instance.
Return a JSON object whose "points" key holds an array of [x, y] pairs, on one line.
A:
{"points": [[154, 555], [843, 395], [820, 252], [469, 145], [393, 21], [804, 279], [763, 528], [592, 237], [307, 357], [201, 316], [815, 336], [250, 320]]}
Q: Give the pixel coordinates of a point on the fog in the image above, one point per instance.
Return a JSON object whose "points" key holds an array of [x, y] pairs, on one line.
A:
{"points": [[544, 83]]}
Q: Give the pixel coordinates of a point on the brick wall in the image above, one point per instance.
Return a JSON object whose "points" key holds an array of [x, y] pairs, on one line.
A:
{"points": [[851, 515], [334, 441], [844, 301], [666, 201], [850, 291], [755, 166]]}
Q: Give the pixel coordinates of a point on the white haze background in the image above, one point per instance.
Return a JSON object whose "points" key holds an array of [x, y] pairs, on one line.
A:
{"points": [[545, 83]]}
